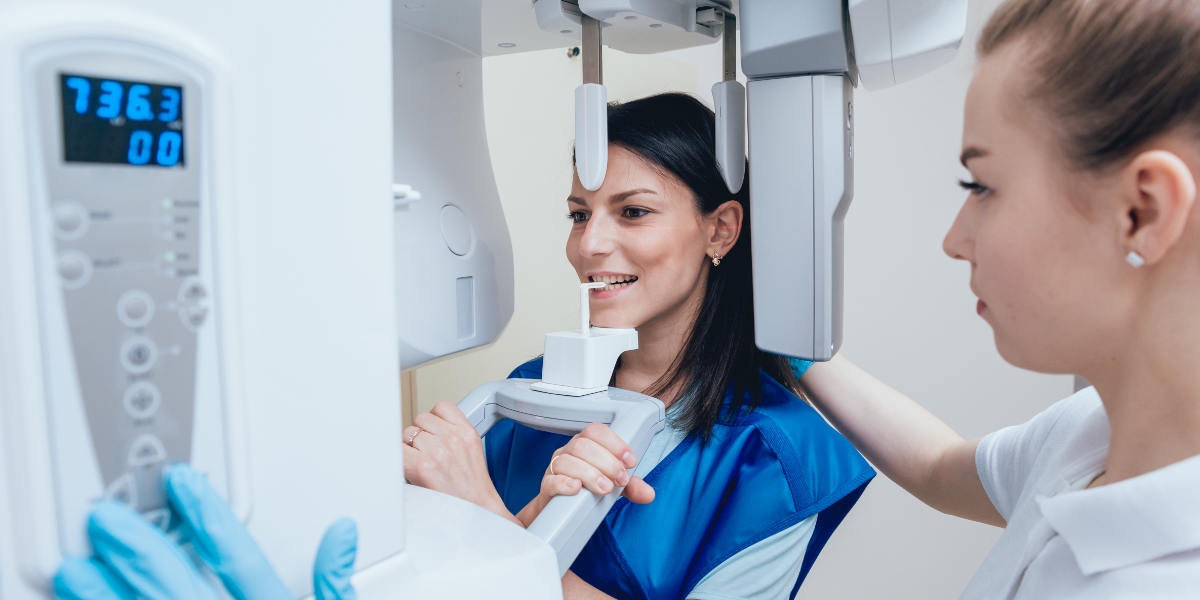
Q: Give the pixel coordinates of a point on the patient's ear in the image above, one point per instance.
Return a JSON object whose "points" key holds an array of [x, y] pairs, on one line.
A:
{"points": [[1158, 194], [725, 227]]}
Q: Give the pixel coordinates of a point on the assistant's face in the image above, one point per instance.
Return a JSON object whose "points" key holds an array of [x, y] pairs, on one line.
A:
{"points": [[642, 234], [1043, 266]]}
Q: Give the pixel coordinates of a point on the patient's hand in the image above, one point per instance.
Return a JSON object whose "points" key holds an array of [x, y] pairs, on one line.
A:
{"points": [[596, 459], [446, 455]]}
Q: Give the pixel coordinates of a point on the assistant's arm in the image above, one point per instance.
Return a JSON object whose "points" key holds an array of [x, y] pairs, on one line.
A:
{"points": [[910, 445]]}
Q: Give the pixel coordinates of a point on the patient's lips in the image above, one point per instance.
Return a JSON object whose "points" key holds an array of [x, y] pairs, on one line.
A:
{"points": [[980, 306], [615, 283]]}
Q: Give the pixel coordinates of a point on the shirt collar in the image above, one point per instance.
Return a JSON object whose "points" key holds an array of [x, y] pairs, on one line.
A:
{"points": [[1131, 521]]}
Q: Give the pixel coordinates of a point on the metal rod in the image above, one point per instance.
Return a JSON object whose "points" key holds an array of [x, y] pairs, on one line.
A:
{"points": [[729, 53], [593, 63]]}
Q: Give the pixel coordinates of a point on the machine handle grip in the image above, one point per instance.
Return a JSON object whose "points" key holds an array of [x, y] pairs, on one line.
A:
{"points": [[567, 522]]}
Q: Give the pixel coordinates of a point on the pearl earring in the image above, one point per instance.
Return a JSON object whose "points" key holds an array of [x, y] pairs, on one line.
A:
{"points": [[716, 258], [1135, 259]]}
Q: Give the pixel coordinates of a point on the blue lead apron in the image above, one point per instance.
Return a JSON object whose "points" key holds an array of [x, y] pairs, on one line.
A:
{"points": [[758, 475]]}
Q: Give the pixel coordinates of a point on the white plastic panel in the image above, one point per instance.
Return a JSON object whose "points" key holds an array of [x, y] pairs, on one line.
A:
{"points": [[453, 256], [729, 104], [787, 37], [899, 40], [591, 134], [303, 285], [800, 190]]}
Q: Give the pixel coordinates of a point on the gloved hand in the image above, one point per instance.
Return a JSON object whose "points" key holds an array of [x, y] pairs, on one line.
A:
{"points": [[133, 559]]}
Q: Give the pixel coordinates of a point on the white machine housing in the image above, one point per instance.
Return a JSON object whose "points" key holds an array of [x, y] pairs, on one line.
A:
{"points": [[280, 214], [803, 60]]}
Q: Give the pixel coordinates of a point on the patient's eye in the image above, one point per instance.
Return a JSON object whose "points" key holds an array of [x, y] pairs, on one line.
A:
{"points": [[577, 216], [634, 212]]}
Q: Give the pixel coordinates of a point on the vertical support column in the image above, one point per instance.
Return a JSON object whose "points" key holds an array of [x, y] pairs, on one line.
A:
{"points": [[729, 103], [591, 112], [593, 54]]}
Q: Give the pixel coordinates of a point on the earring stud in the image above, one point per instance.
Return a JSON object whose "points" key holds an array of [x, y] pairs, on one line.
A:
{"points": [[1135, 259], [716, 258]]}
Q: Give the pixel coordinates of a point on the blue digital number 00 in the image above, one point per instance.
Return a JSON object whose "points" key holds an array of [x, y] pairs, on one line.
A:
{"points": [[139, 147], [169, 145]]}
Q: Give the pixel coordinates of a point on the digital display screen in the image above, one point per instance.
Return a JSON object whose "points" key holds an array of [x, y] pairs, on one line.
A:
{"points": [[121, 122]]}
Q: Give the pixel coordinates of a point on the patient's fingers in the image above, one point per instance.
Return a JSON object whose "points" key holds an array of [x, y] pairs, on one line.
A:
{"points": [[599, 457], [450, 413], [577, 468], [638, 491], [560, 485], [606, 437]]}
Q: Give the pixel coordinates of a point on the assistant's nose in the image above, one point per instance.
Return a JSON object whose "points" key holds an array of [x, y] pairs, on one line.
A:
{"points": [[960, 240]]}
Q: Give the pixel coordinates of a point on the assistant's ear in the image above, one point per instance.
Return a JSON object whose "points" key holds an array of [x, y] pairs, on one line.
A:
{"points": [[725, 226], [1158, 210]]}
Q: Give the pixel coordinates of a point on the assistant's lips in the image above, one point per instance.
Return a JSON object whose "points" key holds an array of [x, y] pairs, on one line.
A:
{"points": [[980, 306]]}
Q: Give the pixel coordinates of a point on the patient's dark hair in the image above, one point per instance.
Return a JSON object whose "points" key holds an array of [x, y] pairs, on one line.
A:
{"points": [[675, 133]]}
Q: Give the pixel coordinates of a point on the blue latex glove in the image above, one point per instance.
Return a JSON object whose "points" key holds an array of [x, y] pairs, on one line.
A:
{"points": [[799, 366], [135, 560]]}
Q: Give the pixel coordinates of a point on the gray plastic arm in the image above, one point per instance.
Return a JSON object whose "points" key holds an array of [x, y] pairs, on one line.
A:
{"points": [[567, 522]]}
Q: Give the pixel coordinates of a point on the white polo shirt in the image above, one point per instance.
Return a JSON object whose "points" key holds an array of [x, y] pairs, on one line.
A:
{"points": [[1134, 539]]}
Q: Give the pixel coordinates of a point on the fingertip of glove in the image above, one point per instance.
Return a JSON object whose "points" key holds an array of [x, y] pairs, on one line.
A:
{"points": [[80, 578], [343, 528], [108, 516]]}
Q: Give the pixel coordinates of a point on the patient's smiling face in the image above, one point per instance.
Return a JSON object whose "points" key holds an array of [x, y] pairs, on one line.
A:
{"points": [[642, 232]]}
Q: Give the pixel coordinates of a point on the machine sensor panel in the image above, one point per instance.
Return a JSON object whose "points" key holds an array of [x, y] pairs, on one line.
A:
{"points": [[121, 122]]}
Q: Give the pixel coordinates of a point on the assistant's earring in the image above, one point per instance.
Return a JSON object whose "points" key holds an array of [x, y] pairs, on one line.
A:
{"points": [[716, 258], [1135, 259]]}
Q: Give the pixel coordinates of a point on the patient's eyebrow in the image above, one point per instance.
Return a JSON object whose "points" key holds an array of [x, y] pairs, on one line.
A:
{"points": [[576, 200], [972, 152], [623, 196]]}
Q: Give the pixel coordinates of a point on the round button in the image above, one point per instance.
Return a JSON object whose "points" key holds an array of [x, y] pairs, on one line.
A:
{"points": [[456, 229], [138, 354], [142, 400], [70, 220], [192, 291], [75, 269], [135, 308], [193, 316]]}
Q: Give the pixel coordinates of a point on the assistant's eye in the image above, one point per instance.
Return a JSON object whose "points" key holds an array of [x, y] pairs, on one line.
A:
{"points": [[577, 216], [974, 187], [633, 212]]}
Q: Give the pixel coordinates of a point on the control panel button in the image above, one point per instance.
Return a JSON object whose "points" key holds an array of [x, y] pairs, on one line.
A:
{"points": [[142, 400], [123, 490], [75, 269], [135, 308], [70, 220], [138, 354], [192, 291], [193, 316], [146, 450]]}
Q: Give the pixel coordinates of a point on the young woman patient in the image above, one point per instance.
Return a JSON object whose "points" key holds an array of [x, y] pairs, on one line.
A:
{"points": [[737, 496]]}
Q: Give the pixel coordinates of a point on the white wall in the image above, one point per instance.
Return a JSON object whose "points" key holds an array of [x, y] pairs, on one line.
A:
{"points": [[909, 315]]}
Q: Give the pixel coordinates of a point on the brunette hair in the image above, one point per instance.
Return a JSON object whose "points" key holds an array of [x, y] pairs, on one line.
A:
{"points": [[1111, 75], [676, 134]]}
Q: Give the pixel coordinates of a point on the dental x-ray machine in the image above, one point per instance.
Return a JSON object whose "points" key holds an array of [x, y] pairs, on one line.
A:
{"points": [[224, 227]]}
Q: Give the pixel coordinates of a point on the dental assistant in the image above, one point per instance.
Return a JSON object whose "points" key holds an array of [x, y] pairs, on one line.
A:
{"points": [[1082, 137]]}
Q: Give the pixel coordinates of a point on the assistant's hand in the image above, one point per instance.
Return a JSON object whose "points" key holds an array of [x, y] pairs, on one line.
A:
{"points": [[133, 559], [597, 459], [446, 455]]}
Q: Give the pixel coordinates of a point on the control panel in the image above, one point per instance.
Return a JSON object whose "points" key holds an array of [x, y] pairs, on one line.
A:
{"points": [[127, 298]]}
